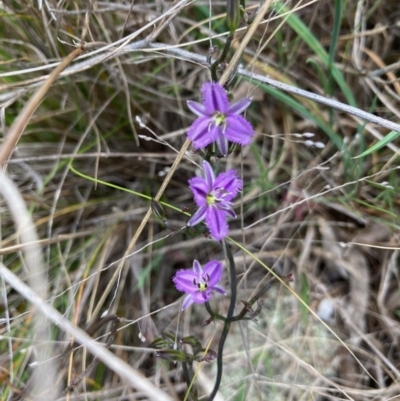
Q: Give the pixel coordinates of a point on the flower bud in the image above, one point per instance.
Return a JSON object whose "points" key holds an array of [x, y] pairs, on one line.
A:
{"points": [[158, 210]]}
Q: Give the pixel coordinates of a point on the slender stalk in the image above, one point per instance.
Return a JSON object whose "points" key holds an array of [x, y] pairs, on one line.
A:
{"points": [[215, 315], [227, 324], [221, 59], [233, 284]]}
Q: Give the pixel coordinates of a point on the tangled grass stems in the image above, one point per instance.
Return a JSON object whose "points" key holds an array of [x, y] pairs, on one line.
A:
{"points": [[340, 241]]}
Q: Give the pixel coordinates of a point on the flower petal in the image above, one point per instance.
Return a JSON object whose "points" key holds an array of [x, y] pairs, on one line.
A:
{"points": [[216, 222], [198, 132], [187, 301], [215, 98], [198, 217], [197, 268], [219, 289], [201, 296], [183, 280], [213, 269], [225, 205], [239, 130], [231, 183], [231, 213], [223, 145], [200, 190], [239, 107], [203, 132], [209, 175], [197, 108]]}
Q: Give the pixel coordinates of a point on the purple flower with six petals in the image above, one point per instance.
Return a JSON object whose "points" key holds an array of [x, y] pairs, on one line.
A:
{"points": [[218, 120], [213, 196], [199, 283]]}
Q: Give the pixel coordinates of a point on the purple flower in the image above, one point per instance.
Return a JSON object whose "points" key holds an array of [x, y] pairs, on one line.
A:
{"points": [[218, 120], [213, 196], [199, 283]]}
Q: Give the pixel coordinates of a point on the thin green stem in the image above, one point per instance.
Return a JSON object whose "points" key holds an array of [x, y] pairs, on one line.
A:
{"points": [[108, 184]]}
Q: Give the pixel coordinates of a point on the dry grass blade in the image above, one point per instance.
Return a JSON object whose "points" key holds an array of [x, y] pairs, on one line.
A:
{"points": [[44, 378], [16, 130]]}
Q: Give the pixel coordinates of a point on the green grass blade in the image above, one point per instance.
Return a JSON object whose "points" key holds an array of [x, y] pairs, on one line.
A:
{"points": [[390, 137], [334, 40], [300, 28], [291, 102]]}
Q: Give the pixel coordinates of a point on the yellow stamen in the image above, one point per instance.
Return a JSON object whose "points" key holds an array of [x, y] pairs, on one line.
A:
{"points": [[219, 119], [210, 200]]}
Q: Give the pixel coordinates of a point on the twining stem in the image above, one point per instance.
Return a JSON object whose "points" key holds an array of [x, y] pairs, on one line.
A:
{"points": [[227, 324], [221, 59], [214, 315], [229, 317], [233, 284]]}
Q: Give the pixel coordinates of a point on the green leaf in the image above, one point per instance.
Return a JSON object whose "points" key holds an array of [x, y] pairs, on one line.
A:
{"points": [[191, 340], [174, 355], [159, 343], [391, 136]]}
